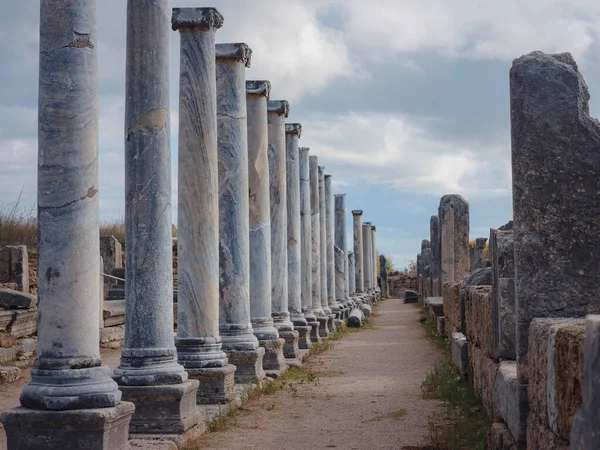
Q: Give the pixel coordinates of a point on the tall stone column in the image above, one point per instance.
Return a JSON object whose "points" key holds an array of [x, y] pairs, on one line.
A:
{"points": [[295, 237], [235, 326], [329, 231], [342, 290], [367, 256], [358, 251], [315, 235], [385, 291], [434, 238], [257, 94], [277, 111], [352, 275], [323, 256], [68, 373], [198, 341], [307, 244], [375, 258], [454, 239]]}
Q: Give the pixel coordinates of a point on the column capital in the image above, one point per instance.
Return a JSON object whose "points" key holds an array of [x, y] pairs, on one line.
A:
{"points": [[200, 18], [374, 228], [293, 128], [357, 212], [304, 149], [258, 87], [339, 195], [327, 175], [237, 52], [366, 224], [279, 107]]}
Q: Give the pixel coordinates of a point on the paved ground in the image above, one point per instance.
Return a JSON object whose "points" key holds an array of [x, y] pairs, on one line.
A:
{"points": [[364, 394]]}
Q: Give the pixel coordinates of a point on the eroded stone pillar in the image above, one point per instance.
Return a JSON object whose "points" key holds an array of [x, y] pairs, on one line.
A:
{"points": [[358, 251], [198, 341], [352, 277], [426, 256], [257, 94], [367, 249], [235, 326], [323, 256], [329, 230], [277, 111], [555, 173], [295, 238], [434, 238], [307, 245], [385, 291], [479, 254], [375, 258], [68, 373], [342, 275], [315, 227], [454, 239]]}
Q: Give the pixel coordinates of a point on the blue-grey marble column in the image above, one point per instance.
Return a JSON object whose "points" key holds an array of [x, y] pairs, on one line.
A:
{"points": [[234, 234], [323, 241], [367, 256], [329, 230], [315, 227], [375, 258], [341, 290], [198, 341], [306, 235], [149, 356], [360, 285], [257, 95], [352, 273], [68, 372]]}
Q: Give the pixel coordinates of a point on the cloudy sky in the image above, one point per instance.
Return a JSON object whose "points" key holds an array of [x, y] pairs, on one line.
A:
{"points": [[402, 100]]}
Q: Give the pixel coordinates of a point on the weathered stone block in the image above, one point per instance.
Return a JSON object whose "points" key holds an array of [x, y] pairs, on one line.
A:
{"points": [[435, 307], [452, 307], [555, 173], [453, 216], [500, 438], [479, 277], [19, 322], [441, 326], [460, 353], [114, 313], [92, 429], [478, 314], [9, 374], [503, 293], [248, 363], [112, 337], [482, 376], [14, 266], [10, 299], [217, 384], [510, 399]]}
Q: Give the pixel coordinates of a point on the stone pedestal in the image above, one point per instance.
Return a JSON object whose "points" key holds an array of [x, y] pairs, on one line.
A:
{"points": [[304, 336], [274, 362], [94, 429], [291, 348], [235, 327], [198, 341], [163, 409]]}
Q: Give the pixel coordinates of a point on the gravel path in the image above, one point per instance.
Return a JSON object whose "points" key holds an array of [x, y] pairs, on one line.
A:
{"points": [[366, 394]]}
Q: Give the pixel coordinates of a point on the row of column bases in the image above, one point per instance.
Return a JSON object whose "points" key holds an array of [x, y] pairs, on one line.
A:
{"points": [[248, 198]]}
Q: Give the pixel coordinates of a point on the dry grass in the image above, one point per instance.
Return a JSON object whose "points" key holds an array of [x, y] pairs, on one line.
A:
{"points": [[18, 225], [115, 227]]}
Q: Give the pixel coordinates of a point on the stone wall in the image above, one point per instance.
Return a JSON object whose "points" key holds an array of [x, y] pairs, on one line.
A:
{"points": [[399, 283], [451, 308]]}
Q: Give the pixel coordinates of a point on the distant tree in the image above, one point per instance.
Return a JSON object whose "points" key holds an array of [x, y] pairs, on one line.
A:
{"points": [[389, 264]]}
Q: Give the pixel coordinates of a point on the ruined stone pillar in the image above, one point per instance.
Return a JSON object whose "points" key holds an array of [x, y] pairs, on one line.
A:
{"points": [[367, 249], [307, 244], [479, 256], [257, 94], [434, 238], [425, 267], [198, 341], [341, 272], [323, 256], [454, 239], [315, 227], [352, 273], [329, 229], [295, 241], [385, 291], [234, 260], [555, 173], [68, 373], [277, 111], [375, 258], [358, 251]]}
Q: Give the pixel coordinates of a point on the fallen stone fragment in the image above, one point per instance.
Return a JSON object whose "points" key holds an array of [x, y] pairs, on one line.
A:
{"points": [[11, 299], [355, 318]]}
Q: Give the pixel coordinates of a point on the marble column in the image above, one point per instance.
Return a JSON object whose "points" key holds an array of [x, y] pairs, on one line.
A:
{"points": [[358, 252], [315, 234], [293, 132], [277, 111], [198, 341], [149, 374], [385, 291], [342, 285], [329, 230], [352, 278], [239, 341], [367, 257], [375, 259], [68, 373], [257, 95], [434, 238], [323, 256], [307, 244]]}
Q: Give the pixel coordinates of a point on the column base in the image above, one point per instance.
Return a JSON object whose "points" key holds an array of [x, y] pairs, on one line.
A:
{"points": [[163, 409], [331, 323], [304, 341], [274, 363], [217, 384], [248, 363], [315, 337], [290, 348], [323, 329], [92, 429]]}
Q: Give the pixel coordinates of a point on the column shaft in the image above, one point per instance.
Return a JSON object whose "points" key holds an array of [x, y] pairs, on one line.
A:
{"points": [[329, 227], [315, 227], [341, 243], [306, 232], [367, 256], [323, 242], [358, 251]]}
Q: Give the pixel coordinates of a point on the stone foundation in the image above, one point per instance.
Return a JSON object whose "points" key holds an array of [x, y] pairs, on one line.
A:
{"points": [[323, 326], [482, 376], [217, 384], [451, 299], [274, 360], [304, 341], [510, 399], [460, 353], [248, 363]]}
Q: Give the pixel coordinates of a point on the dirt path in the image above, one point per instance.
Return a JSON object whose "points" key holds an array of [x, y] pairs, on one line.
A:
{"points": [[366, 394]]}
